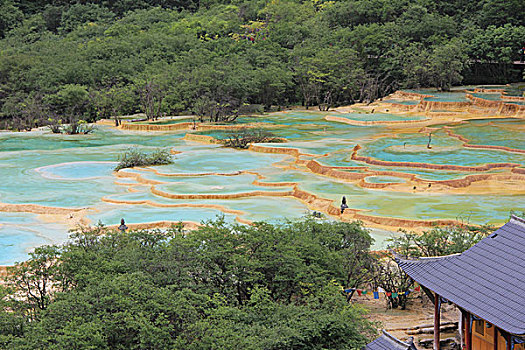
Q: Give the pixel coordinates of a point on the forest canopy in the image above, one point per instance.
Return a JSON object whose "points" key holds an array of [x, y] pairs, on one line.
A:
{"points": [[214, 57], [222, 286]]}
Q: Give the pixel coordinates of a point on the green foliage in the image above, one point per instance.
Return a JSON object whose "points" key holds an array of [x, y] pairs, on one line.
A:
{"points": [[243, 138], [78, 127], [325, 321], [133, 157], [9, 16], [502, 12], [223, 286], [447, 62], [212, 58], [84, 14], [71, 100], [387, 274], [35, 277], [439, 241]]}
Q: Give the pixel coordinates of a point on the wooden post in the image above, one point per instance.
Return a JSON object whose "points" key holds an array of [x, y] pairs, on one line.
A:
{"points": [[509, 341], [468, 332], [495, 337], [437, 317], [461, 329]]}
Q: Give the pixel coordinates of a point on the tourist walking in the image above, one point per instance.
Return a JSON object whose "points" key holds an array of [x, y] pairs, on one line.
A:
{"points": [[343, 205]]}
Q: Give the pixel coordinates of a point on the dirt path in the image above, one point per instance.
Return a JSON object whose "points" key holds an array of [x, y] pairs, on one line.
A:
{"points": [[401, 323]]}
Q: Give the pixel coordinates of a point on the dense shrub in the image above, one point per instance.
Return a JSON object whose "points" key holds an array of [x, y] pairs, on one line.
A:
{"points": [[133, 157], [243, 138]]}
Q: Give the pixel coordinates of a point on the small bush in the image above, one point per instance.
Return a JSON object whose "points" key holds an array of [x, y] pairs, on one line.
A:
{"points": [[244, 137], [80, 127], [55, 128], [132, 157]]}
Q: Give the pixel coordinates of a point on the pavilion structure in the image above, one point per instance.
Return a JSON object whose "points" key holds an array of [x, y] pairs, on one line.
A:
{"points": [[486, 283]]}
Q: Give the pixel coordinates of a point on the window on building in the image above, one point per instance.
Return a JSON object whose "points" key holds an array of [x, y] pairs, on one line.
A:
{"points": [[479, 327]]}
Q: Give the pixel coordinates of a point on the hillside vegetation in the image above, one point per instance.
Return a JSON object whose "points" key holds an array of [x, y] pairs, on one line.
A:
{"points": [[61, 61]]}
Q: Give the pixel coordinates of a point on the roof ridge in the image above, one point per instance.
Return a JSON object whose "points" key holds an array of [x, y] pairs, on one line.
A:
{"points": [[395, 340], [440, 256], [517, 220], [425, 259]]}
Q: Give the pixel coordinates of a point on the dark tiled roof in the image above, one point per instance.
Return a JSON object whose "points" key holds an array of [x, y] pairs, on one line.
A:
{"points": [[487, 280], [388, 342]]}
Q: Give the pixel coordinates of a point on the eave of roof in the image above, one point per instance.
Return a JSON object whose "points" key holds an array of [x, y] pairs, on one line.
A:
{"points": [[487, 280], [388, 342]]}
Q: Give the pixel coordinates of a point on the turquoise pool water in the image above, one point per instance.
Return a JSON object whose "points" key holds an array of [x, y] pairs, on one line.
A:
{"points": [[489, 96], [403, 102], [451, 96], [21, 232], [377, 117], [384, 179], [448, 97], [498, 97], [173, 120], [76, 172], [502, 132], [445, 150]]}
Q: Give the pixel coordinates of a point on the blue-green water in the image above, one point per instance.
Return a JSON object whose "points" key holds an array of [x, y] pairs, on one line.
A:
{"points": [[488, 96], [403, 102], [504, 132], [452, 96], [384, 179], [378, 117], [76, 172]]}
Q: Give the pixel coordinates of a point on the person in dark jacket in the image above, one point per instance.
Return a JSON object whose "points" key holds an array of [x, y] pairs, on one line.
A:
{"points": [[122, 226], [343, 205]]}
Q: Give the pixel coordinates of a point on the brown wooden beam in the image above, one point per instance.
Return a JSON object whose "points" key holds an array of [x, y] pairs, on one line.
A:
{"points": [[462, 329], [428, 292], [468, 332], [437, 319], [495, 337]]}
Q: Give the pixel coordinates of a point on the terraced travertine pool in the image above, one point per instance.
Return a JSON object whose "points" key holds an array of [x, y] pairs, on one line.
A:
{"points": [[52, 182]]}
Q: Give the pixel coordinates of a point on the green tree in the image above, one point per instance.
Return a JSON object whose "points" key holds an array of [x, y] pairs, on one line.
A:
{"points": [[72, 101], [10, 15], [226, 285], [502, 12], [439, 241], [37, 278], [152, 94], [79, 14], [446, 64]]}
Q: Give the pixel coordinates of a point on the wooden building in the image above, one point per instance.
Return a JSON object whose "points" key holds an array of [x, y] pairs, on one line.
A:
{"points": [[486, 283]]}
